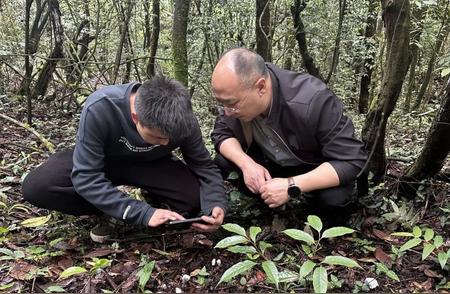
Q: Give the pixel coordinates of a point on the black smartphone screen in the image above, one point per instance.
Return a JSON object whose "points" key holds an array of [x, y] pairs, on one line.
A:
{"points": [[187, 221]]}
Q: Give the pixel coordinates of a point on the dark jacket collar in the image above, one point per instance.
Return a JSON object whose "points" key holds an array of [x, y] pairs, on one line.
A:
{"points": [[274, 115]]}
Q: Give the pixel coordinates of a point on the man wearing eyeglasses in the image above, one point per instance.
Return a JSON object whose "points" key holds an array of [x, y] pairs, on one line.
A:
{"points": [[285, 132]]}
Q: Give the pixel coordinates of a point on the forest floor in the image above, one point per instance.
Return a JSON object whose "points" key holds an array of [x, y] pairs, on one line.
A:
{"points": [[34, 253]]}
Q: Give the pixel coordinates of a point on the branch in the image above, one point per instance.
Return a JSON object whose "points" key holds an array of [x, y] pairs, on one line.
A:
{"points": [[49, 145]]}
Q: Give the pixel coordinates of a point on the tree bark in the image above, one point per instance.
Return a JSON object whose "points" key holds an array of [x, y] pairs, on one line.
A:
{"points": [[396, 20], [263, 31], [369, 61], [179, 46], [337, 42], [300, 36], [156, 27], [437, 144], [57, 53]]}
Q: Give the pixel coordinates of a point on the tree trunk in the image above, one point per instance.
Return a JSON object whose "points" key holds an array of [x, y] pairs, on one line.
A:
{"points": [[154, 39], [418, 14], [369, 62], [300, 36], [47, 71], [442, 34], [263, 32], [437, 145], [124, 21], [396, 19], [334, 63], [289, 52], [179, 46]]}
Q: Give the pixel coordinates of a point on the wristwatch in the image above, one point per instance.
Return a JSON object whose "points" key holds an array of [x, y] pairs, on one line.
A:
{"points": [[293, 190]]}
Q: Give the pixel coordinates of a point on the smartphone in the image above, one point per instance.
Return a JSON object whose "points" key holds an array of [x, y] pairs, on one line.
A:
{"points": [[187, 221]]}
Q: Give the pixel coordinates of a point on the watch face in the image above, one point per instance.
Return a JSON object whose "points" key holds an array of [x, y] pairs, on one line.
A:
{"points": [[294, 191]]}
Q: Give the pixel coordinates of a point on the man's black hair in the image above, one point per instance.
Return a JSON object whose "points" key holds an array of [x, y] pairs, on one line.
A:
{"points": [[165, 104]]}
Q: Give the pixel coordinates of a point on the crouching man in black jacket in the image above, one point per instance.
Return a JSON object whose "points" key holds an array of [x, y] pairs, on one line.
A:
{"points": [[285, 132], [126, 136]]}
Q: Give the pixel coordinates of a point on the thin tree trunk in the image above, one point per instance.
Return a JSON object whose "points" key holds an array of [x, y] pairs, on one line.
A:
{"points": [[369, 61], [300, 36], [337, 42], [154, 39], [179, 46], [396, 19], [418, 13], [263, 32], [437, 146], [124, 20], [289, 51], [442, 34], [57, 53]]}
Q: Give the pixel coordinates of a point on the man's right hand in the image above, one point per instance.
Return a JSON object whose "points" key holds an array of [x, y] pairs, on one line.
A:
{"points": [[255, 176], [161, 216]]}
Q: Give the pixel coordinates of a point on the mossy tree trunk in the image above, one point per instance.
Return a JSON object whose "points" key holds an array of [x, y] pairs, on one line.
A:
{"points": [[396, 20], [179, 46]]}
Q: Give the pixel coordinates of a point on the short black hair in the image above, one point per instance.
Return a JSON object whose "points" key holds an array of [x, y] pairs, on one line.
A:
{"points": [[165, 104], [247, 64]]}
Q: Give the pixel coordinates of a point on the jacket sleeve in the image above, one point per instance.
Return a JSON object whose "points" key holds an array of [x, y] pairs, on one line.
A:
{"points": [[336, 136], [198, 159], [221, 131], [88, 175]]}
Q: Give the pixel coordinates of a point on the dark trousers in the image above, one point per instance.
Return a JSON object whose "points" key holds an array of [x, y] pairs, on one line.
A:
{"points": [[168, 180], [336, 200]]}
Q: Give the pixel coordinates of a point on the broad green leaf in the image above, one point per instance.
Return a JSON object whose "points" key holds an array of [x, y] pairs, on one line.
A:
{"points": [[320, 280], [299, 235], [271, 271], [36, 221], [57, 289], [254, 231], [3, 231], [341, 260], [230, 241], [7, 251], [445, 72], [264, 245], [242, 249], [53, 243], [427, 249], [306, 269], [287, 276], [145, 273], [410, 244], [417, 232], [237, 269], [315, 222], [442, 258], [279, 256], [336, 232], [402, 234], [438, 241], [98, 263], [429, 234], [71, 271], [237, 229]]}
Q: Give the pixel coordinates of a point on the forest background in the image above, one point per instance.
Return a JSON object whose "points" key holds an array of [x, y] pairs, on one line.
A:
{"points": [[388, 61]]}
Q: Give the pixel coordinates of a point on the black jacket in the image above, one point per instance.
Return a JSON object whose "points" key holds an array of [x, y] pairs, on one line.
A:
{"points": [[309, 119]]}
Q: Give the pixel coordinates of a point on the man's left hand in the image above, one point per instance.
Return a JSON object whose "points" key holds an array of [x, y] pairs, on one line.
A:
{"points": [[274, 192], [213, 222]]}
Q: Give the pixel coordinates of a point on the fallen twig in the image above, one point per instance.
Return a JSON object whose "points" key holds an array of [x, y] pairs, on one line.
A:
{"points": [[49, 145]]}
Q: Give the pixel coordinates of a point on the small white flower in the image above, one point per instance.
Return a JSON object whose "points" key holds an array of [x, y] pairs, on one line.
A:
{"points": [[178, 290], [372, 283], [213, 262], [219, 262]]}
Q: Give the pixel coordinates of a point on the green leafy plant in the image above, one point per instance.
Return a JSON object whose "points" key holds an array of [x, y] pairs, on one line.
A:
{"points": [[96, 264], [404, 215], [246, 243], [201, 275], [145, 272], [319, 272], [428, 239]]}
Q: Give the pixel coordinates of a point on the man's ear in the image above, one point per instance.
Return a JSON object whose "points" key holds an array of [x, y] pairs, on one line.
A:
{"points": [[261, 85], [134, 117]]}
